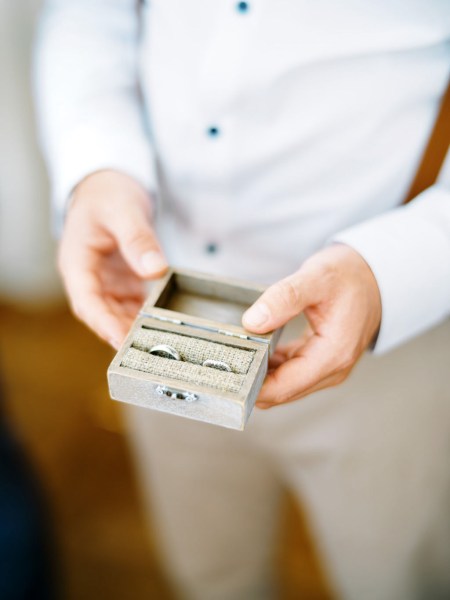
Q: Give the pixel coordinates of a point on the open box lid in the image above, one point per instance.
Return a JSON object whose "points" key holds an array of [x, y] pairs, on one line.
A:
{"points": [[207, 302]]}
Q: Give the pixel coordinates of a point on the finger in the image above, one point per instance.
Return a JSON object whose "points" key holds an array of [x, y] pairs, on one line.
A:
{"points": [[131, 307], [138, 243], [129, 286], [284, 352], [127, 308], [276, 360], [315, 361], [279, 303], [119, 280], [290, 349], [89, 305], [333, 380]]}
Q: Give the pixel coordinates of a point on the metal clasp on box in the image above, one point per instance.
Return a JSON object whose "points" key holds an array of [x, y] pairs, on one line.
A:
{"points": [[163, 390]]}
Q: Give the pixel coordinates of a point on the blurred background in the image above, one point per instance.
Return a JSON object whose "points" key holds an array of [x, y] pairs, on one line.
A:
{"points": [[66, 461]]}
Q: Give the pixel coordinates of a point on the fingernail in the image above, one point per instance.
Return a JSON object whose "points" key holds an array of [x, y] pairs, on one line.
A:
{"points": [[257, 315], [263, 405], [153, 262]]}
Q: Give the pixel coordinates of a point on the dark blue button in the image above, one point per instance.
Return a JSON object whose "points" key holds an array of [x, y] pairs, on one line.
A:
{"points": [[211, 248], [213, 131], [242, 7]]}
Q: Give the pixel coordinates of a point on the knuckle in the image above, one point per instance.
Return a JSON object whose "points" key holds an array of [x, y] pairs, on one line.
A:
{"points": [[344, 362], [287, 294], [284, 398], [138, 239], [280, 398], [280, 395], [78, 307], [77, 311], [347, 359], [324, 270], [340, 377], [290, 290]]}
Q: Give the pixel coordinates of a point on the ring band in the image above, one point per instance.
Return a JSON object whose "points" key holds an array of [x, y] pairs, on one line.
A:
{"points": [[165, 351], [217, 364]]}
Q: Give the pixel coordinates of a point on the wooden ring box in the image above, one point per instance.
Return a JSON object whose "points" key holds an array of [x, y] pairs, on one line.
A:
{"points": [[207, 308]]}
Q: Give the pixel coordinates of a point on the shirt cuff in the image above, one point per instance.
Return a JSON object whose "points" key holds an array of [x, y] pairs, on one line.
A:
{"points": [[408, 250]]}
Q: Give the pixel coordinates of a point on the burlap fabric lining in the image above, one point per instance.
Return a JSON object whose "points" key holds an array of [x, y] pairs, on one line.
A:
{"points": [[195, 350], [183, 371]]}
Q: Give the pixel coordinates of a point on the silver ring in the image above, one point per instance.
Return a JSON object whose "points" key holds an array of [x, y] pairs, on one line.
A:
{"points": [[165, 351], [217, 364]]}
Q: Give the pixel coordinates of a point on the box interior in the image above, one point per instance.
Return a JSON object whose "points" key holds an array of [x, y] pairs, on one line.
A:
{"points": [[193, 351], [217, 301]]}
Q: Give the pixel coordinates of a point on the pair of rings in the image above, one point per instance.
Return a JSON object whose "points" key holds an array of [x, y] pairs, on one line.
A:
{"points": [[168, 352]]}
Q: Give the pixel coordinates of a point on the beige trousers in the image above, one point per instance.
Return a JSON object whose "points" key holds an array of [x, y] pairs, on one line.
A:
{"points": [[369, 460]]}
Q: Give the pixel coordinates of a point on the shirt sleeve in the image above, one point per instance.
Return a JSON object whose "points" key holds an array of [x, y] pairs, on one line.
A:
{"points": [[408, 250], [87, 95]]}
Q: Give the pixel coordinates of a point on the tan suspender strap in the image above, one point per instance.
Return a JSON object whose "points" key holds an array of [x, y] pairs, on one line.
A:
{"points": [[435, 151]]}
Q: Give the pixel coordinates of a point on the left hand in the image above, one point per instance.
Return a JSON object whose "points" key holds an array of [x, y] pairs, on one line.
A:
{"points": [[338, 294]]}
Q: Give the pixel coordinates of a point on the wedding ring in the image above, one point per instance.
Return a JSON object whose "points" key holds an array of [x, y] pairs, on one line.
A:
{"points": [[165, 351], [217, 364]]}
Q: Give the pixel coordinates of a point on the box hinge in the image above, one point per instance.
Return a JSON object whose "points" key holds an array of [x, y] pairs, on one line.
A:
{"points": [[234, 334]]}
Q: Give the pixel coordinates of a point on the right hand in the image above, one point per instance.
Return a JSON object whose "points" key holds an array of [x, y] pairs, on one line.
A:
{"points": [[107, 251]]}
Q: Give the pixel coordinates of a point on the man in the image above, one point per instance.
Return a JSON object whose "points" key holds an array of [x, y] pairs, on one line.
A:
{"points": [[272, 141]]}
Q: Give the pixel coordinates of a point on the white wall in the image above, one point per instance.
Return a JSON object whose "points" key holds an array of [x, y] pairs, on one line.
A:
{"points": [[27, 271]]}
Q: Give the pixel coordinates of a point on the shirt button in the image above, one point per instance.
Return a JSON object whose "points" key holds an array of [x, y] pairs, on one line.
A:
{"points": [[211, 248], [213, 131], [242, 7]]}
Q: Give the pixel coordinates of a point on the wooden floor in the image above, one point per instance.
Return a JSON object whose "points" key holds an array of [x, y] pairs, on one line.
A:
{"points": [[57, 399]]}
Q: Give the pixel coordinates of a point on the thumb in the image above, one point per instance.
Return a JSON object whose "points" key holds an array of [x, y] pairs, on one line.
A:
{"points": [[138, 243], [278, 304]]}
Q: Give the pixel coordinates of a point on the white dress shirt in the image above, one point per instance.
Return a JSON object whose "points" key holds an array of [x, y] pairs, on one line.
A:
{"points": [[264, 129]]}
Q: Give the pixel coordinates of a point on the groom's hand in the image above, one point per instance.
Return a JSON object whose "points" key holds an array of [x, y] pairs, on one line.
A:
{"points": [[337, 292]]}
